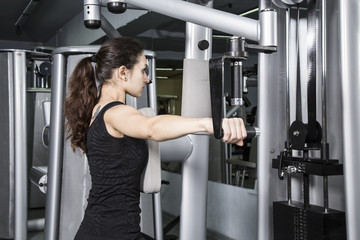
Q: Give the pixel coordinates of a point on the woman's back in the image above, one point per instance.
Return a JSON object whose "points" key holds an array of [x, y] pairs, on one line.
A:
{"points": [[115, 168]]}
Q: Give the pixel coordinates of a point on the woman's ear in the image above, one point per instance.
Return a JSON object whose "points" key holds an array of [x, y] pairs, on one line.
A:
{"points": [[122, 73]]}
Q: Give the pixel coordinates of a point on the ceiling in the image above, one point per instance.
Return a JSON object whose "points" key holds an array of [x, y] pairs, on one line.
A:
{"points": [[47, 17], [50, 15], [159, 33]]}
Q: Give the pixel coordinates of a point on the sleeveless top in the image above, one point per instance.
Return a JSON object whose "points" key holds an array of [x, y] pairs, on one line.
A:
{"points": [[115, 164]]}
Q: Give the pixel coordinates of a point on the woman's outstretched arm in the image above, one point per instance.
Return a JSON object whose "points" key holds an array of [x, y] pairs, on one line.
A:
{"points": [[130, 122]]}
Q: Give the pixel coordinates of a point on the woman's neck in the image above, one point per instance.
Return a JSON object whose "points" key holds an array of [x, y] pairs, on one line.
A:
{"points": [[110, 93]]}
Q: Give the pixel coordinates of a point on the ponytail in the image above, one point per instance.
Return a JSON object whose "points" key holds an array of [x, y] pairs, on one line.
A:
{"points": [[82, 91], [81, 99]]}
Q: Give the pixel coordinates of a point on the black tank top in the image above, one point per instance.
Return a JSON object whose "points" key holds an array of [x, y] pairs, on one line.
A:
{"points": [[115, 164]]}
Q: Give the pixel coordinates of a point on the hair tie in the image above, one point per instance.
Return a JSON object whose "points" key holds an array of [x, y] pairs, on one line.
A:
{"points": [[93, 58]]}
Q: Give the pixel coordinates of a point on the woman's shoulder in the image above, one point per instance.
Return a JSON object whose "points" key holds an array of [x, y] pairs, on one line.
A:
{"points": [[120, 109]]}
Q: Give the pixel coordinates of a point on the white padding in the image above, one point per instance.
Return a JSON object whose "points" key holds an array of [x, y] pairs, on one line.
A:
{"points": [[151, 176], [196, 89]]}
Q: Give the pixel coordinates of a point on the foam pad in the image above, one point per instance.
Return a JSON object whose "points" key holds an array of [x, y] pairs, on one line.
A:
{"points": [[151, 176], [196, 89]]}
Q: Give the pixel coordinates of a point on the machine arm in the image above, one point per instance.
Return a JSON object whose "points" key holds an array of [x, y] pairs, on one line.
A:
{"points": [[262, 30], [236, 54]]}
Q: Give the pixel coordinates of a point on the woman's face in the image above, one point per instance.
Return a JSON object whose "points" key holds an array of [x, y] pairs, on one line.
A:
{"points": [[138, 77]]}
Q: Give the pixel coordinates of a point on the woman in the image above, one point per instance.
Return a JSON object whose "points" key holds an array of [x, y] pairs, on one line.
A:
{"points": [[112, 136]]}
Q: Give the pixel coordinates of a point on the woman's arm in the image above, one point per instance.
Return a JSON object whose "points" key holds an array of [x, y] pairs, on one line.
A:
{"points": [[130, 122]]}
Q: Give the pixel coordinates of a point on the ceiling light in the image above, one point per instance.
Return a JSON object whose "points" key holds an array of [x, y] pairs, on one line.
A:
{"points": [[249, 12], [164, 69]]}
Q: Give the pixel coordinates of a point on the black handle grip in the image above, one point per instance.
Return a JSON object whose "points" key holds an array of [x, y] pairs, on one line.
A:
{"points": [[251, 132]]}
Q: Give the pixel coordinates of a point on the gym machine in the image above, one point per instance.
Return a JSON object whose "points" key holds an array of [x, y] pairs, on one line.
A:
{"points": [[193, 223], [221, 89], [25, 94], [296, 219]]}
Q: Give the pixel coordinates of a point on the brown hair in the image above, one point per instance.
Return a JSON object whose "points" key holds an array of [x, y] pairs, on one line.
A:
{"points": [[82, 91]]}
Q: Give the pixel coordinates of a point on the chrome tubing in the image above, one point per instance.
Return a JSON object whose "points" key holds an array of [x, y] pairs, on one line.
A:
{"points": [[350, 75], [204, 16], [52, 213], [20, 149]]}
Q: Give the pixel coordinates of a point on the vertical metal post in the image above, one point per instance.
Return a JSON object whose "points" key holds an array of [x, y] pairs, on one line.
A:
{"points": [[157, 216], [156, 196], [52, 214], [194, 190], [20, 149], [350, 75], [289, 188], [269, 112], [324, 149], [152, 87], [195, 168], [287, 105], [287, 49], [264, 142]]}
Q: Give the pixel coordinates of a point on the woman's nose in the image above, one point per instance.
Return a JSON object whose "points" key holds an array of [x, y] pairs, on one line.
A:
{"points": [[147, 80]]}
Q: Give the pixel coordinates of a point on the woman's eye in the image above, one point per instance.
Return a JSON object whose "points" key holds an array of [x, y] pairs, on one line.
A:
{"points": [[146, 70]]}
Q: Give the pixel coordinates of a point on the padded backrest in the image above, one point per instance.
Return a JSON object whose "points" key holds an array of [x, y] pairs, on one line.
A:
{"points": [[151, 176]]}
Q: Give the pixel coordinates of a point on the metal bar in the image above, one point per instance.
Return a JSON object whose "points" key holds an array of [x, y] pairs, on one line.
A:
{"points": [[157, 216], [27, 12], [298, 70], [287, 52], [289, 188], [349, 13], [204, 16], [152, 87], [20, 160], [267, 114], [268, 27], [306, 189], [195, 168], [194, 190], [323, 72], [109, 29], [312, 20], [232, 110], [52, 214], [156, 196], [326, 193], [324, 149]]}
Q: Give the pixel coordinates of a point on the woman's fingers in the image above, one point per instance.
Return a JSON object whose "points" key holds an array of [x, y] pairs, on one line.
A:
{"points": [[234, 130], [226, 130]]}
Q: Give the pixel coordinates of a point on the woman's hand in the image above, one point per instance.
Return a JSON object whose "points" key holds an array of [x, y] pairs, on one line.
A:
{"points": [[233, 129]]}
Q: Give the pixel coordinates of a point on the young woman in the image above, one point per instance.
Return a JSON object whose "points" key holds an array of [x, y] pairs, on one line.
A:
{"points": [[112, 136]]}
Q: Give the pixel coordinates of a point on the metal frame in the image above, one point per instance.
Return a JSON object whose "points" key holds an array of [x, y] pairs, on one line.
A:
{"points": [[350, 75], [263, 31], [18, 137], [52, 213], [56, 144], [20, 150], [199, 21]]}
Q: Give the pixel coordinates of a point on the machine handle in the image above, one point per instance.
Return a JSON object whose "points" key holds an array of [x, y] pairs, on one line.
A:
{"points": [[251, 132]]}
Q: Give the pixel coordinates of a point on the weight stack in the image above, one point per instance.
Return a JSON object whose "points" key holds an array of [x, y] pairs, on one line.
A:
{"points": [[296, 222]]}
